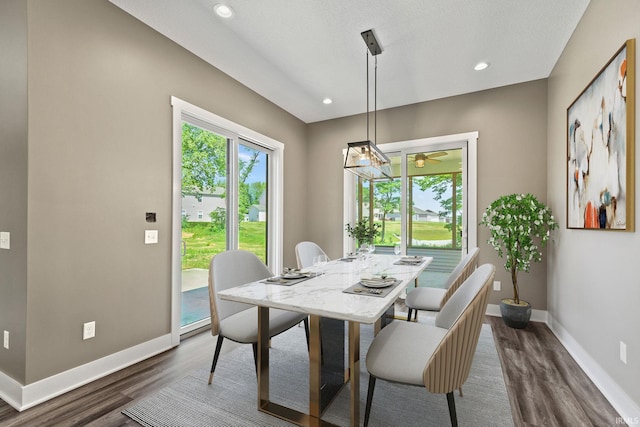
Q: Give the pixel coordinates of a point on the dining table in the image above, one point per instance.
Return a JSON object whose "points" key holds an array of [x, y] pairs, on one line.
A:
{"points": [[343, 292]]}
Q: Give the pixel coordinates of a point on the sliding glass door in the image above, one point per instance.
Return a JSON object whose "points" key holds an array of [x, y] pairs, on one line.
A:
{"points": [[435, 193], [435, 199], [203, 215], [227, 191], [210, 225]]}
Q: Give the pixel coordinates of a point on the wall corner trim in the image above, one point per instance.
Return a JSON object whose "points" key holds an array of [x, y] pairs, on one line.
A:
{"points": [[626, 407], [22, 397]]}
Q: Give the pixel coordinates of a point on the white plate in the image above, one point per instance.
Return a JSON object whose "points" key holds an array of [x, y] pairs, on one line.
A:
{"points": [[377, 283], [411, 260], [293, 275]]}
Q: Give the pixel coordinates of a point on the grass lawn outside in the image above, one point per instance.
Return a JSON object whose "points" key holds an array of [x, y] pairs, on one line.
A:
{"points": [[203, 243], [422, 231]]}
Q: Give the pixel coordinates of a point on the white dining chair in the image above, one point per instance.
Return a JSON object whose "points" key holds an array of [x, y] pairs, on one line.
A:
{"points": [[237, 321], [433, 299], [305, 252], [437, 357]]}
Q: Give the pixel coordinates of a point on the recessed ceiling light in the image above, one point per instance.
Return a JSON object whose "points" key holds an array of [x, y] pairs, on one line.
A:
{"points": [[223, 11], [481, 66], [327, 101]]}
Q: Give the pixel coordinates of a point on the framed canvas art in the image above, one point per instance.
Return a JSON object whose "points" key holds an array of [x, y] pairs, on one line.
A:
{"points": [[601, 148]]}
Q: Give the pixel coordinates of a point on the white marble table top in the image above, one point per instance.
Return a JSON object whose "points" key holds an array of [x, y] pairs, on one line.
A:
{"points": [[323, 295]]}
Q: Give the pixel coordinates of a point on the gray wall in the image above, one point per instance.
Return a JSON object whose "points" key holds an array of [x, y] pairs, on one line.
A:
{"points": [[593, 290], [100, 142], [511, 122], [13, 182]]}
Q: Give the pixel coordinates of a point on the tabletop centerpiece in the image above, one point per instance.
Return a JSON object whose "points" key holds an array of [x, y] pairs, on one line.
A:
{"points": [[363, 231]]}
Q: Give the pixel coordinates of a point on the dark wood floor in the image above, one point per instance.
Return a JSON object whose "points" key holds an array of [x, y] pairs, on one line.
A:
{"points": [[545, 385]]}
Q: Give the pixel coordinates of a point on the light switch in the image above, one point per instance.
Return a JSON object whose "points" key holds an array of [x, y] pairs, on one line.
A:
{"points": [[5, 240], [150, 237]]}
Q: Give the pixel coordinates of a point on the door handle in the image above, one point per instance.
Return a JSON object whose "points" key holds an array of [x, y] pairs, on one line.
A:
{"points": [[184, 248]]}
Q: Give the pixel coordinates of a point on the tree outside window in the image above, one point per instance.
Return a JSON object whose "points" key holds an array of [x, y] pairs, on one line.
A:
{"points": [[387, 199]]}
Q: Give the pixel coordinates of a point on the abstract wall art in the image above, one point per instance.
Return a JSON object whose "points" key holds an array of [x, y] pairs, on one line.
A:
{"points": [[601, 148]]}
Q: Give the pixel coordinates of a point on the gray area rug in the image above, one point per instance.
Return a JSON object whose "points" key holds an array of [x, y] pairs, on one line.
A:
{"points": [[231, 400]]}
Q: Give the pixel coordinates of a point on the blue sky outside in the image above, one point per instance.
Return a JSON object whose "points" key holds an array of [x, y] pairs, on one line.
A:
{"points": [[259, 171], [424, 200]]}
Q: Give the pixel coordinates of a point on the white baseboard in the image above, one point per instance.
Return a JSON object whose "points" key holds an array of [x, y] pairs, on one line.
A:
{"points": [[536, 315], [10, 390], [628, 409], [22, 397]]}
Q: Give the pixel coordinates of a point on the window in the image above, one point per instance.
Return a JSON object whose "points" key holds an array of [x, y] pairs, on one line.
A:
{"points": [[428, 208]]}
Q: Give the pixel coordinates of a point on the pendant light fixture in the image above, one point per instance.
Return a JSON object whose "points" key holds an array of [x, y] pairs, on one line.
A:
{"points": [[364, 158]]}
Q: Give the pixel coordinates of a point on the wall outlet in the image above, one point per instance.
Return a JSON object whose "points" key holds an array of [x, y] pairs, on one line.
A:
{"points": [[150, 237], [623, 352], [6, 340], [496, 285], [5, 240], [89, 330]]}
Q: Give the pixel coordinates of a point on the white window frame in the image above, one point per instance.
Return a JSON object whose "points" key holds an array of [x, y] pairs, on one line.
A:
{"points": [[183, 110], [466, 141]]}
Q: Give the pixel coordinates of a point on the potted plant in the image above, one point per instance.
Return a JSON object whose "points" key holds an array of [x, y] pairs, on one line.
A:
{"points": [[364, 231], [520, 227]]}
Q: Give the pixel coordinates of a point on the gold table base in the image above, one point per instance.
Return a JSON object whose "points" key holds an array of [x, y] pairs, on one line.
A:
{"points": [[317, 400]]}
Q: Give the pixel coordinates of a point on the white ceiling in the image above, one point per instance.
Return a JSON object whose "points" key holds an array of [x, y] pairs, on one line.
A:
{"points": [[297, 52]]}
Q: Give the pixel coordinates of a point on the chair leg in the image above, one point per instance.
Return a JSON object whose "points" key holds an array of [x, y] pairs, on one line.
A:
{"points": [[254, 346], [215, 356], [367, 409], [452, 409], [409, 315], [306, 331]]}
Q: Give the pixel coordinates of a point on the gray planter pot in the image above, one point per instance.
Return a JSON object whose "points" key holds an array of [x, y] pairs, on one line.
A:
{"points": [[515, 316]]}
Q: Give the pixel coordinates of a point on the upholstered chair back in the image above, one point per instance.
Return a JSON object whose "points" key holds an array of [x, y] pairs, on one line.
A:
{"points": [[459, 274], [305, 252], [448, 367], [227, 270]]}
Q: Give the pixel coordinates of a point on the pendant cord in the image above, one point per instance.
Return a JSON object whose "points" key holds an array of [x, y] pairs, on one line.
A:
{"points": [[367, 53], [375, 101]]}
